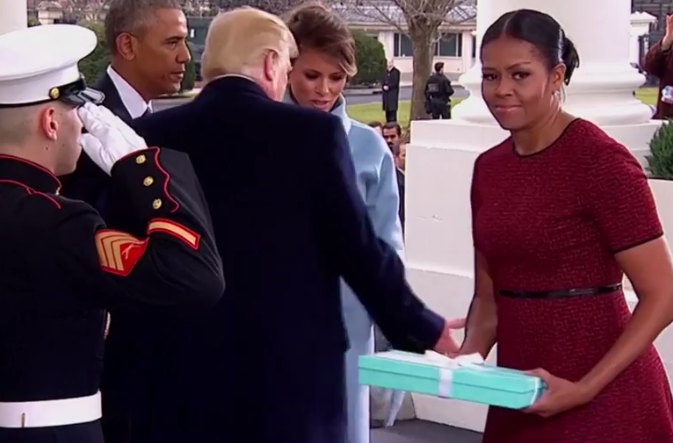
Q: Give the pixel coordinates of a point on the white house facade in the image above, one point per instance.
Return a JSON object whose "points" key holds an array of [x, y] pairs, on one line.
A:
{"points": [[455, 46]]}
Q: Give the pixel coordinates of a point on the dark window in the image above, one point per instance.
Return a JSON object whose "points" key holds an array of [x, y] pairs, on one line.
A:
{"points": [[449, 45], [402, 46]]}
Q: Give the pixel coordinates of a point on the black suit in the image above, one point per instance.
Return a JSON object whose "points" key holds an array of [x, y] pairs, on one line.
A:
{"points": [[268, 365]]}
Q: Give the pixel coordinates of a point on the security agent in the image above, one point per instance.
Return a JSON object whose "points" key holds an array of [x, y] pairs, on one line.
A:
{"points": [[60, 267], [438, 92]]}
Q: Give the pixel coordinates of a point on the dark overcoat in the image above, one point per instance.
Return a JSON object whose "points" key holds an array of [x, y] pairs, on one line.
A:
{"points": [[391, 97], [267, 365]]}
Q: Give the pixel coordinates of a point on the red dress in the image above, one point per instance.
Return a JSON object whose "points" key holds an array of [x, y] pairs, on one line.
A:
{"points": [[553, 221]]}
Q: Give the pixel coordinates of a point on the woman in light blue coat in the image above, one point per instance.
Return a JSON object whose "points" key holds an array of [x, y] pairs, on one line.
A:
{"points": [[326, 60]]}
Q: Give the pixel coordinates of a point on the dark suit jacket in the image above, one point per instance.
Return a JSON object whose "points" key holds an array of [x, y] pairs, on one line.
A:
{"points": [[268, 364], [391, 97], [400, 188]]}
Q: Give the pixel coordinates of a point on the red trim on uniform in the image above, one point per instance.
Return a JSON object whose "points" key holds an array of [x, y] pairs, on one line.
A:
{"points": [[167, 179], [31, 191], [34, 165], [181, 232]]}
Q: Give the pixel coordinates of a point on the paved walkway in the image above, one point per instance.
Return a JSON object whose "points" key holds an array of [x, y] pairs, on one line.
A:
{"points": [[417, 431]]}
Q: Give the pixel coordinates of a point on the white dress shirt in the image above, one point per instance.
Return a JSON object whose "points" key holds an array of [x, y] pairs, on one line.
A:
{"points": [[134, 103]]}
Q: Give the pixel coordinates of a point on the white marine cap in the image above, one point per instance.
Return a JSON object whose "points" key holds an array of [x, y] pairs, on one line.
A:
{"points": [[39, 64]]}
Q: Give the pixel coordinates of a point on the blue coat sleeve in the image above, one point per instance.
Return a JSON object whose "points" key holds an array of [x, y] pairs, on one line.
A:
{"points": [[383, 200], [370, 266]]}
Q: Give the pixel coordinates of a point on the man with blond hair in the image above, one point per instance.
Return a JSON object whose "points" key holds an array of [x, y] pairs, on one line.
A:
{"points": [[267, 366]]}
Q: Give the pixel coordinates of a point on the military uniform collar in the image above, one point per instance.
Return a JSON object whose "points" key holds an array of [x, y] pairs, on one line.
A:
{"points": [[27, 173]]}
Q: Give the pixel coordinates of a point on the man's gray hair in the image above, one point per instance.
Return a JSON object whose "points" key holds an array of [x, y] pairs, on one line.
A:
{"points": [[132, 16]]}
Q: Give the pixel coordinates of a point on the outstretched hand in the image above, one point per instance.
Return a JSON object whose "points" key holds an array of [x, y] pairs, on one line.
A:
{"points": [[446, 344]]}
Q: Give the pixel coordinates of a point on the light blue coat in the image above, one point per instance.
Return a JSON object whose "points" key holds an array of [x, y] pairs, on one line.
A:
{"points": [[377, 182]]}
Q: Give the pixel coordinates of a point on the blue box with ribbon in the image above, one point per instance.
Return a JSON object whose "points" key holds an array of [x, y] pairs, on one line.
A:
{"points": [[463, 378]]}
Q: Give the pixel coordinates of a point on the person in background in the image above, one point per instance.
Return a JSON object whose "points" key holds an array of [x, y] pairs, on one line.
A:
{"points": [[325, 62], [658, 61], [148, 45], [560, 213], [376, 125], [390, 96], [268, 364], [438, 92], [401, 158], [392, 134]]}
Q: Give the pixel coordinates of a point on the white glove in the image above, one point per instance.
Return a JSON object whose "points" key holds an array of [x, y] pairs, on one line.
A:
{"points": [[108, 138]]}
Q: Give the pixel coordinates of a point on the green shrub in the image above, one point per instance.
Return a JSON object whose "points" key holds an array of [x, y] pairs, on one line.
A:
{"points": [[370, 58], [94, 65], [660, 159]]}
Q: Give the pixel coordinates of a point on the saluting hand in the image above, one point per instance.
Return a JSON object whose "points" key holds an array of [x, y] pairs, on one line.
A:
{"points": [[446, 344], [108, 139], [668, 37]]}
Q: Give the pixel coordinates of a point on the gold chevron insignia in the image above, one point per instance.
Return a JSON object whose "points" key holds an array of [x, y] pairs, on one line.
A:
{"points": [[118, 252], [178, 231]]}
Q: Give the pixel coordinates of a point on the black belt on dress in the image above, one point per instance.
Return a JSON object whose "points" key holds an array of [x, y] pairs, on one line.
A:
{"points": [[561, 293]]}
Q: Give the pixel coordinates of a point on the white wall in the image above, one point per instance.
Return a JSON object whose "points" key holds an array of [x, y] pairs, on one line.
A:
{"points": [[452, 65]]}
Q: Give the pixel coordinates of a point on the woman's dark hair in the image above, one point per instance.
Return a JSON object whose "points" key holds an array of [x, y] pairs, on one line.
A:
{"points": [[315, 26], [540, 30]]}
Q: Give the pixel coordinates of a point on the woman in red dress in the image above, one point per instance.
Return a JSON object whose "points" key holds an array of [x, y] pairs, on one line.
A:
{"points": [[560, 212]]}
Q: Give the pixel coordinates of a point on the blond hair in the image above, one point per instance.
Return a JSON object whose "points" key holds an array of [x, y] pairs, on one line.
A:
{"points": [[238, 40]]}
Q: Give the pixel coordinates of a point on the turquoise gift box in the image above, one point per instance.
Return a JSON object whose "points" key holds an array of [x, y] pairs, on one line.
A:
{"points": [[464, 378]]}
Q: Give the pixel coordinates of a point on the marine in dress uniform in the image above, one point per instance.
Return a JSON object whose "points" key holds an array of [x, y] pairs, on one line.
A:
{"points": [[132, 349], [60, 267]]}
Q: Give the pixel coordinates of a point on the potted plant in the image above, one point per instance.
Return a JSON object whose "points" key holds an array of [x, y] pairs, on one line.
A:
{"points": [[660, 169]]}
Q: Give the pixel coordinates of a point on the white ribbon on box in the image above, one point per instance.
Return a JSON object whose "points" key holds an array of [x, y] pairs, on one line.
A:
{"points": [[471, 361], [447, 365]]}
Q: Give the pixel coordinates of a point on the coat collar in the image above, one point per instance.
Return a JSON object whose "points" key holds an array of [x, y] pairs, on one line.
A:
{"points": [[27, 173], [339, 109], [234, 84]]}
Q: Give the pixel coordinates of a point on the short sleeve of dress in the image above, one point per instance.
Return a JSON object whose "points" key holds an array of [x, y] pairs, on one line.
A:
{"points": [[619, 198]]}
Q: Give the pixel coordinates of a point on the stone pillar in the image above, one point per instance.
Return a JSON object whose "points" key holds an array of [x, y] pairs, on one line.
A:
{"points": [[466, 51], [439, 252], [13, 15], [640, 26]]}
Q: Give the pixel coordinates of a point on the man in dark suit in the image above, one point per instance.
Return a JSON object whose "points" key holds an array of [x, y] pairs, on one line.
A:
{"points": [[147, 39], [390, 97], [267, 366]]}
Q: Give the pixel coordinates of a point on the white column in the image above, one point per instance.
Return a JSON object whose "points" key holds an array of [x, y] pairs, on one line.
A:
{"points": [[640, 25], [13, 15], [601, 90], [466, 50], [440, 158]]}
